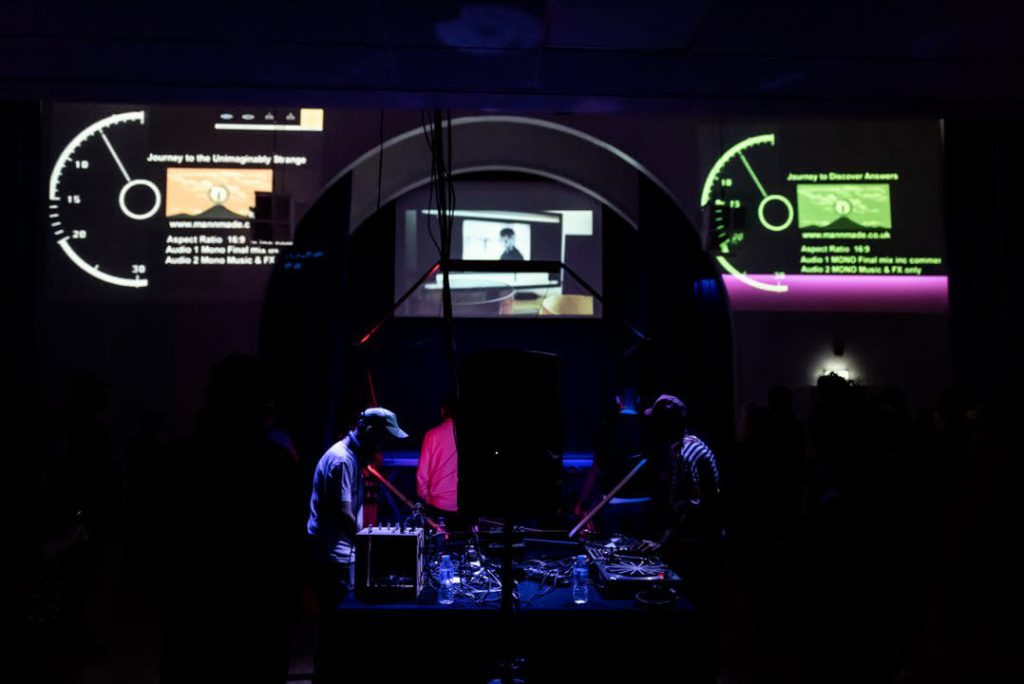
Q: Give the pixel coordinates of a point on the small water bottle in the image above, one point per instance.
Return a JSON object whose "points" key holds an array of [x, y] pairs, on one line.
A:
{"points": [[580, 577], [445, 581]]}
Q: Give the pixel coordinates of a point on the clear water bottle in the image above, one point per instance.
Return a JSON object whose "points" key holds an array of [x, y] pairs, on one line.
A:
{"points": [[580, 577], [445, 581]]}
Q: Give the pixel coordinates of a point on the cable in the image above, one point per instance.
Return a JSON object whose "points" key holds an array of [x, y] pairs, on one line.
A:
{"points": [[380, 159], [442, 176], [431, 184]]}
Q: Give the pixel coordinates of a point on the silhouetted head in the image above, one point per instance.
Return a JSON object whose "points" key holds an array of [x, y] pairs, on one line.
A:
{"points": [[376, 428], [448, 406], [667, 418], [832, 386]]}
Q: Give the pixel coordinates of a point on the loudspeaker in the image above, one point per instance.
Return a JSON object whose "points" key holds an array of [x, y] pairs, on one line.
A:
{"points": [[509, 433]]}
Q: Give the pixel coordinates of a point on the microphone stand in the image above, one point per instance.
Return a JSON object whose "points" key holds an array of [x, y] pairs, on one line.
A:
{"points": [[606, 498]]}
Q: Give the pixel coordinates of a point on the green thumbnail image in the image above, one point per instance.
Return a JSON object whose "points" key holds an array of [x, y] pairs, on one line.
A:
{"points": [[820, 205]]}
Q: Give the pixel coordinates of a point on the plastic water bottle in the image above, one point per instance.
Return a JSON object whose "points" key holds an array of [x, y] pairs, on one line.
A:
{"points": [[580, 577], [445, 578]]}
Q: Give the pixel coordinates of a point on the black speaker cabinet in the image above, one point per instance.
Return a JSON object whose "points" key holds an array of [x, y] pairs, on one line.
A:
{"points": [[509, 431]]}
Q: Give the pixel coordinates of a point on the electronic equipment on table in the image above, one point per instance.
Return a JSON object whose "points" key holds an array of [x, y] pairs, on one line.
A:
{"points": [[389, 563], [622, 567], [393, 564]]}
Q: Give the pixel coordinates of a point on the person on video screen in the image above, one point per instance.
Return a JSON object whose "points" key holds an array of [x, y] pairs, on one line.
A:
{"points": [[508, 239]]}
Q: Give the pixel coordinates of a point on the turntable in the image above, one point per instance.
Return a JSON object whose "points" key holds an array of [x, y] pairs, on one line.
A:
{"points": [[622, 570]]}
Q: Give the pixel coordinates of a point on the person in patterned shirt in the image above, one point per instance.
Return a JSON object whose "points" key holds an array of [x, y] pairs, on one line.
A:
{"points": [[687, 495]]}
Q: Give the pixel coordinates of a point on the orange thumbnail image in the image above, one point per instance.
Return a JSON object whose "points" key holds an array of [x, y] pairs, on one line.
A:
{"points": [[215, 193]]}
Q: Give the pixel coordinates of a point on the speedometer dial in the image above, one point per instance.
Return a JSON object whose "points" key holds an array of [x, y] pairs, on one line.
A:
{"points": [[746, 215], [102, 204]]}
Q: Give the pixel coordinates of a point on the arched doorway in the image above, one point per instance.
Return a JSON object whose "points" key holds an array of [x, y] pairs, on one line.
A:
{"points": [[657, 276]]}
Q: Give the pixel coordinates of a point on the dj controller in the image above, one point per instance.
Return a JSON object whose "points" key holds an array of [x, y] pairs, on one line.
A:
{"points": [[623, 567]]}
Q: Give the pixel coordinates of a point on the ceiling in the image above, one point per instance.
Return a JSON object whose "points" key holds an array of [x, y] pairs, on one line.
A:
{"points": [[728, 56]]}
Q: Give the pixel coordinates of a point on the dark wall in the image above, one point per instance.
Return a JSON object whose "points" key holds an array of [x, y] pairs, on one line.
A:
{"points": [[20, 143], [977, 346], [986, 237], [739, 55], [649, 282], [157, 354], [791, 349]]}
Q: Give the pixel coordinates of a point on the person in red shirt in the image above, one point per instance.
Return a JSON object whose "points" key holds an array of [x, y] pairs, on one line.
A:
{"points": [[437, 475]]}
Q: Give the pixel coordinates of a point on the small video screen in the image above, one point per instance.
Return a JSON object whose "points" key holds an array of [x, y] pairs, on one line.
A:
{"points": [[514, 224]]}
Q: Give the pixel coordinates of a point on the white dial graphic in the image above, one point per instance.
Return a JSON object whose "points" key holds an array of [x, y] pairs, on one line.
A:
{"points": [[101, 204]]}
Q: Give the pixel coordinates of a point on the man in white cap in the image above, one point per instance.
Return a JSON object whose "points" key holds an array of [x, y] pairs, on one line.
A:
{"points": [[336, 503]]}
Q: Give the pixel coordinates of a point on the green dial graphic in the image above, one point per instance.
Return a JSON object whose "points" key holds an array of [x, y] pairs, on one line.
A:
{"points": [[742, 211]]}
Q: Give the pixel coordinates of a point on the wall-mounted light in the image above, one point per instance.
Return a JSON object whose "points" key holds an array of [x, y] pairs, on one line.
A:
{"points": [[834, 360], [838, 345]]}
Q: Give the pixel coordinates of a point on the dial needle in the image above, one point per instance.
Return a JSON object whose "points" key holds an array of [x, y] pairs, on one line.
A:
{"points": [[742, 159], [118, 159]]}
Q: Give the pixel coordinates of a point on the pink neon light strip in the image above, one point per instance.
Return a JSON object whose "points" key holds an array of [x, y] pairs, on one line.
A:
{"points": [[882, 293]]}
